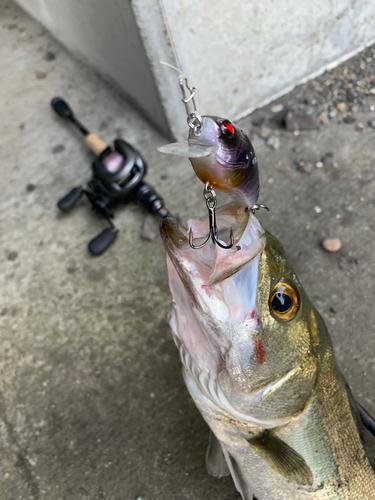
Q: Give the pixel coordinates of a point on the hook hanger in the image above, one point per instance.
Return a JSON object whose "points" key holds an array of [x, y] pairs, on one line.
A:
{"points": [[194, 120], [211, 204], [258, 207]]}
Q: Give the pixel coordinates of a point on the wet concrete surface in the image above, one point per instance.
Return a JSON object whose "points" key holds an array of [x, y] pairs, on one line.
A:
{"points": [[92, 401]]}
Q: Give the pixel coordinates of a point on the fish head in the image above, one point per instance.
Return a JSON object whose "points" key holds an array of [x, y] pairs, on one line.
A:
{"points": [[222, 154], [249, 338]]}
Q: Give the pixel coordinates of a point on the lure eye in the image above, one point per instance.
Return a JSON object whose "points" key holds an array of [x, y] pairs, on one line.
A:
{"points": [[284, 301], [227, 129]]}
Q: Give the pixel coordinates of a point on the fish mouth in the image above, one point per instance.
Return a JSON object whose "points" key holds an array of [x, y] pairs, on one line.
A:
{"points": [[214, 289], [211, 263]]}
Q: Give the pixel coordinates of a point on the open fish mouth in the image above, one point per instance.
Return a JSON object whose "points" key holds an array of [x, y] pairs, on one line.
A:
{"points": [[214, 293], [211, 263]]}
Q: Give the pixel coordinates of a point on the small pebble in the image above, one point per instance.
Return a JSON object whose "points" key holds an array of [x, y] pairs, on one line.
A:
{"points": [[331, 244], [50, 56], [341, 106], [30, 188], [12, 255], [318, 210], [349, 119], [264, 132], [150, 228], [323, 117], [41, 75], [305, 167], [332, 113], [372, 123], [319, 164], [327, 159], [277, 108], [273, 142], [350, 96], [359, 127], [58, 148]]}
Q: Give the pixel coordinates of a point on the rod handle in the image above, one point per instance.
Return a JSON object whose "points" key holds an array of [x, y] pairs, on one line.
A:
{"points": [[95, 143]]}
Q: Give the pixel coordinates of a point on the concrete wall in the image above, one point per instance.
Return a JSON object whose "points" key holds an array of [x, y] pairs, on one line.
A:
{"points": [[104, 33], [238, 55]]}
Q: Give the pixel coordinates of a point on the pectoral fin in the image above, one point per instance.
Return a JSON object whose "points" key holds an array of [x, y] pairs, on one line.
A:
{"points": [[281, 457], [215, 461]]}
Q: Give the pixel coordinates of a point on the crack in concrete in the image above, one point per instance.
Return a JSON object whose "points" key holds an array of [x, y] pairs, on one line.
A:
{"points": [[22, 461]]}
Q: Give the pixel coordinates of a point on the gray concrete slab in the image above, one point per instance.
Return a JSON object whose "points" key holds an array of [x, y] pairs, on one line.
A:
{"points": [[92, 402]]}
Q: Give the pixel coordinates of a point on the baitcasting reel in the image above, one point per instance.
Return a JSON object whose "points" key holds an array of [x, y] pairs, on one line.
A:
{"points": [[117, 178]]}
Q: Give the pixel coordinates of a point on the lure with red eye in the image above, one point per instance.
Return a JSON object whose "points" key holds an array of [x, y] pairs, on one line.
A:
{"points": [[227, 129], [222, 154], [233, 167]]}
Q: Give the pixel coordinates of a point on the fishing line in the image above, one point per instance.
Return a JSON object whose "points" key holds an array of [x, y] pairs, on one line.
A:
{"points": [[172, 44]]}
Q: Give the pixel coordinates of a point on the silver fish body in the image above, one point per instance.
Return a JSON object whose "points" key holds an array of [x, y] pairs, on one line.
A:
{"points": [[258, 362]]}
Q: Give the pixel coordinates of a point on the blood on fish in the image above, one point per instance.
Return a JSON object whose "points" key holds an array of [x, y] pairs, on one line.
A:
{"points": [[207, 289], [251, 314], [261, 353]]}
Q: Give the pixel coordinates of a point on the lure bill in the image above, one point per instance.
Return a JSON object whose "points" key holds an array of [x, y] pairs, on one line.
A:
{"points": [[222, 155], [258, 362]]}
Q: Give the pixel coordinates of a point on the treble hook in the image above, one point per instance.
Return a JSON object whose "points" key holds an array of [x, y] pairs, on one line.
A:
{"points": [[194, 120], [211, 203]]}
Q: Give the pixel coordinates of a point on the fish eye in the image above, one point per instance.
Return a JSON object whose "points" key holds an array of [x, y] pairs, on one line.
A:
{"points": [[227, 129], [284, 301]]}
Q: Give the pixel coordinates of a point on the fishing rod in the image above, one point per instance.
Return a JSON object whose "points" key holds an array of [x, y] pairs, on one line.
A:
{"points": [[118, 174]]}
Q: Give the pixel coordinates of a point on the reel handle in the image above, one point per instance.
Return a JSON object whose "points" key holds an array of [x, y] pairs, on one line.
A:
{"points": [[68, 202], [100, 243]]}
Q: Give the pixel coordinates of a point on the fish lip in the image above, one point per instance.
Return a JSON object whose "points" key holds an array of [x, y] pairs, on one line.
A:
{"points": [[173, 234], [172, 231]]}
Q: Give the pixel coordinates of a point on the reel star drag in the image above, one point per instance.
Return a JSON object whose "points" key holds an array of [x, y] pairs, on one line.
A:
{"points": [[117, 178]]}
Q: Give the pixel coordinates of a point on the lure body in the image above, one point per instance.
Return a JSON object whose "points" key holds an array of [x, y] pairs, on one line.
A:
{"points": [[222, 155], [258, 362]]}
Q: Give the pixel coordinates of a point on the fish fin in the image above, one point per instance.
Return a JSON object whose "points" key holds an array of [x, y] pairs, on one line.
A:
{"points": [[281, 457], [238, 480], [215, 461]]}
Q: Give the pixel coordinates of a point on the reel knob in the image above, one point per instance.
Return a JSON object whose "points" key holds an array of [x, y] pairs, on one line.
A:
{"points": [[100, 244], [68, 202]]}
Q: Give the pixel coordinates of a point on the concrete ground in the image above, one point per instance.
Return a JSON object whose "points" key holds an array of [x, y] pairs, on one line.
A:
{"points": [[92, 402]]}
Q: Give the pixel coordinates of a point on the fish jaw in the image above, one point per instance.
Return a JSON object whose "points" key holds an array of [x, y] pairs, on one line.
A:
{"points": [[214, 296]]}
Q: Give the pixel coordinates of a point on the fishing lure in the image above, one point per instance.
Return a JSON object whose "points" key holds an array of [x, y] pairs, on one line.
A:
{"points": [[222, 157]]}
